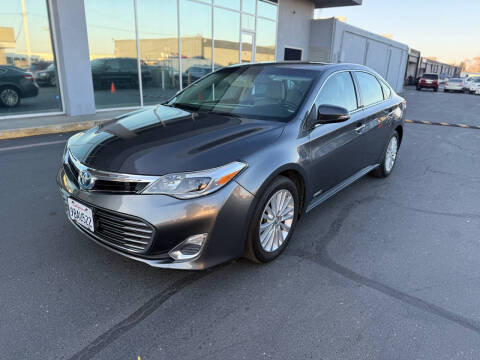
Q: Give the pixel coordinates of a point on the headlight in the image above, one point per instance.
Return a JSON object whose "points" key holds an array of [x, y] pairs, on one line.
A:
{"points": [[195, 184]]}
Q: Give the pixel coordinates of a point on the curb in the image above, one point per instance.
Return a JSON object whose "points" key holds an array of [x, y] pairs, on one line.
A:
{"points": [[48, 129], [442, 124]]}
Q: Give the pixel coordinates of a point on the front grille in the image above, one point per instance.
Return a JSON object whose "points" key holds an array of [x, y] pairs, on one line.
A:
{"points": [[123, 231]]}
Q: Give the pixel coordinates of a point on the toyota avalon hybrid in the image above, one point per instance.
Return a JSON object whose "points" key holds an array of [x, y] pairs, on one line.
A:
{"points": [[227, 166]]}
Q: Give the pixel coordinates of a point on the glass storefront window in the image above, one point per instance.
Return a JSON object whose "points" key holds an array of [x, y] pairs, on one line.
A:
{"points": [[113, 53], [247, 46], [157, 32], [266, 36], [227, 31], [249, 6], [28, 75], [248, 22], [232, 4], [266, 9], [196, 40]]}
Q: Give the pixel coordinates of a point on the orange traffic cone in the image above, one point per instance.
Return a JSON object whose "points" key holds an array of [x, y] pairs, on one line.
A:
{"points": [[112, 88]]}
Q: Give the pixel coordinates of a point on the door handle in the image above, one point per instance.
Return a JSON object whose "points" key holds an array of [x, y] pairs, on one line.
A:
{"points": [[359, 128]]}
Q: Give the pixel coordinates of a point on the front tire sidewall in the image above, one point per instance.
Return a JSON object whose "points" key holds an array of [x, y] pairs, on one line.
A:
{"points": [[254, 250]]}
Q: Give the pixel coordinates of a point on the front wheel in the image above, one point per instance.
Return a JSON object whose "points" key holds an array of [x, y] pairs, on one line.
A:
{"points": [[389, 157], [273, 221]]}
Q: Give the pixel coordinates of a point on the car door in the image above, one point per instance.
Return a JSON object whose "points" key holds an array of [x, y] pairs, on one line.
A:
{"points": [[377, 113], [335, 150]]}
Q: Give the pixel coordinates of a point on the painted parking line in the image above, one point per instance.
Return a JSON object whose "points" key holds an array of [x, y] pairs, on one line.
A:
{"points": [[423, 122], [32, 145]]}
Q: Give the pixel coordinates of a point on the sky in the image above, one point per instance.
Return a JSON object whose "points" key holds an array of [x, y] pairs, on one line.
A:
{"points": [[446, 29]]}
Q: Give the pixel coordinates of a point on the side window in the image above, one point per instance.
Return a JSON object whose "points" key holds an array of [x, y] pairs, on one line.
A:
{"points": [[338, 91], [370, 88], [387, 92]]}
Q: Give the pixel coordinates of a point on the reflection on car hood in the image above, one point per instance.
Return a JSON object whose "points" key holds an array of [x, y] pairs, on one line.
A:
{"points": [[160, 140]]}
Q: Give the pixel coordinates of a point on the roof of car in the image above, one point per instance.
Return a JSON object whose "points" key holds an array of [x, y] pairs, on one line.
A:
{"points": [[309, 65]]}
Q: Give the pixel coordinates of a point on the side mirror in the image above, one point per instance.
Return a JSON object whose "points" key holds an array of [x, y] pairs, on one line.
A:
{"points": [[327, 114]]}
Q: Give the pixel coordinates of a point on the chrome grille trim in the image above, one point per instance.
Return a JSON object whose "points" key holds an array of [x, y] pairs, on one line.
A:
{"points": [[108, 181]]}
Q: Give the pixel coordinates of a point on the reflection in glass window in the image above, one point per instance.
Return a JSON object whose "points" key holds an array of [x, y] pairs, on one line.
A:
{"points": [[113, 52], [227, 31], [248, 22], [157, 31], [247, 54], [232, 4], [338, 91], [369, 88], [266, 35], [267, 10], [249, 6], [28, 76], [196, 40]]}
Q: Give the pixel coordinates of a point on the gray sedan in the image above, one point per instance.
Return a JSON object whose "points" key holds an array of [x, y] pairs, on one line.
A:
{"points": [[230, 164]]}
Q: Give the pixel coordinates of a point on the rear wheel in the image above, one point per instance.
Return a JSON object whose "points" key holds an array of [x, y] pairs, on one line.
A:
{"points": [[436, 89], [9, 96], [273, 221], [389, 157]]}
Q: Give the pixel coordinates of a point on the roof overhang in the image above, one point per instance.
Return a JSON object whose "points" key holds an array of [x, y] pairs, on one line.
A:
{"points": [[335, 3]]}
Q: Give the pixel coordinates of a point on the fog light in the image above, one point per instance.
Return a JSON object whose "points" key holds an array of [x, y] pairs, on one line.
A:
{"points": [[189, 248]]}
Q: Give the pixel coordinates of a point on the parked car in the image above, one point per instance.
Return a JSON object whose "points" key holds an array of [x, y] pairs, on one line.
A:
{"points": [[38, 66], [428, 81], [228, 166], [475, 86], [15, 84], [47, 77], [454, 84], [194, 73], [117, 71], [471, 86]]}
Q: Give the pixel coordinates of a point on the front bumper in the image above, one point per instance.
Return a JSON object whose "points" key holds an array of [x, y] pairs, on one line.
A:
{"points": [[223, 215]]}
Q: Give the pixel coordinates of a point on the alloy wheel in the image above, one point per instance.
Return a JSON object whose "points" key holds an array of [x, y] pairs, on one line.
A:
{"points": [[276, 221], [391, 154], [9, 97]]}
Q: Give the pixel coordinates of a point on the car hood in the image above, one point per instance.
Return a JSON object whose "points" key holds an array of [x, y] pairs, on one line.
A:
{"points": [[162, 139]]}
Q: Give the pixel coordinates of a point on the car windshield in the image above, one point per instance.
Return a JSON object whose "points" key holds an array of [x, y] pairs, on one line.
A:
{"points": [[265, 92], [430, 76], [477, 80]]}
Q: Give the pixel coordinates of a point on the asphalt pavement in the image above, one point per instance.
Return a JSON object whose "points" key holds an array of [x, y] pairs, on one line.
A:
{"points": [[386, 269]]}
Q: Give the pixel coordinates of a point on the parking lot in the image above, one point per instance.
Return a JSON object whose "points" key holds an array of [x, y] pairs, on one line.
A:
{"points": [[386, 269]]}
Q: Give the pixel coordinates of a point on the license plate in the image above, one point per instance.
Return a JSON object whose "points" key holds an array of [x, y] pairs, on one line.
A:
{"points": [[81, 214]]}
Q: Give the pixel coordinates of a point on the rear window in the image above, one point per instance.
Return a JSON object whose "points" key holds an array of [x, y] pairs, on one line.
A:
{"points": [[370, 88], [456, 80], [430, 76]]}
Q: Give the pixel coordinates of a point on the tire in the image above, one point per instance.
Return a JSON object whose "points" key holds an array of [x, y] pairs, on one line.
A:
{"points": [[445, 90], [436, 89], [9, 96], [419, 88], [385, 169], [273, 242]]}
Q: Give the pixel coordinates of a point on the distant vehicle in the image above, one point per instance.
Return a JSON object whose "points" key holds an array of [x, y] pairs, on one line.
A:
{"points": [[428, 81], [46, 77], [119, 71], [475, 86], [194, 73], [15, 84], [454, 84], [38, 66], [468, 82]]}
